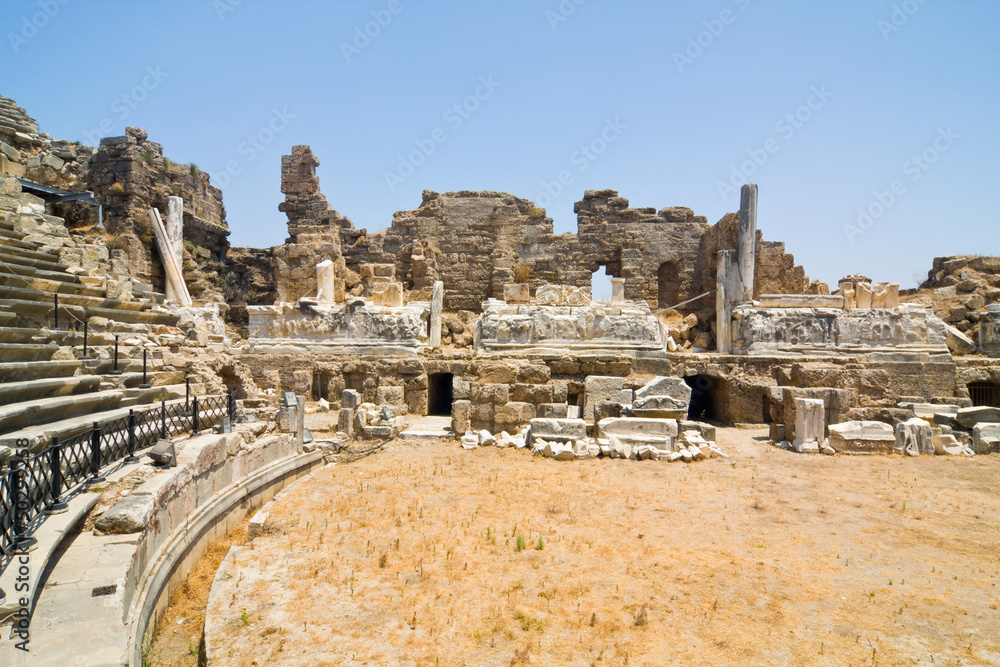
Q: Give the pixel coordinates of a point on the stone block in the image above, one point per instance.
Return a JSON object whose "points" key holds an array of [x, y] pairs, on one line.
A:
{"points": [[862, 437], [707, 431], [517, 293], [50, 160], [533, 374], [776, 432], [914, 437], [553, 411], [514, 414], [986, 438], [389, 396], [350, 398], [599, 388], [376, 432], [969, 417], [560, 392], [460, 389], [345, 421], [497, 394], [497, 372], [561, 430], [131, 514], [801, 301], [461, 416], [607, 410], [635, 432], [663, 407]]}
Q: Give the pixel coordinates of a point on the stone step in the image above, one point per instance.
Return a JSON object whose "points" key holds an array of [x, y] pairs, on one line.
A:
{"points": [[10, 352], [88, 302], [28, 273], [9, 236], [17, 335], [36, 259], [15, 371], [42, 410], [51, 286], [27, 390], [170, 392], [7, 318], [6, 224], [40, 435], [43, 310]]}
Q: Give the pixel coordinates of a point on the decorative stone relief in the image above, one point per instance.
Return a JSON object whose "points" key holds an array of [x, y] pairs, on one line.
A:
{"points": [[562, 295]]}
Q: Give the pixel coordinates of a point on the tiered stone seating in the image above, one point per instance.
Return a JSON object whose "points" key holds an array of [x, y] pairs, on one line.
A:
{"points": [[46, 390]]}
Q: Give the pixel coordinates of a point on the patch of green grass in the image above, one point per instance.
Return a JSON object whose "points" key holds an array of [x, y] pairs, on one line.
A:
{"points": [[520, 544], [540, 544]]}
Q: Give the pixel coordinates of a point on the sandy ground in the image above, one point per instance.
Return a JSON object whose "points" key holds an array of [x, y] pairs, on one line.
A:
{"points": [[411, 557]]}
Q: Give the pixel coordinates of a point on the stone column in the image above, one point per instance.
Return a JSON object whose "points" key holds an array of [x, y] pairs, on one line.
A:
{"points": [[810, 426], [723, 303], [618, 290], [437, 304], [174, 227], [747, 242], [324, 281]]}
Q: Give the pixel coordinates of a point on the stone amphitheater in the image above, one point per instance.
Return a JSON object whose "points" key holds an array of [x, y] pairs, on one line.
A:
{"points": [[156, 384]]}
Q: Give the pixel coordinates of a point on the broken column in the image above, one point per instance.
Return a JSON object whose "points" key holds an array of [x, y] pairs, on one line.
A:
{"points": [[724, 303], [914, 437], [810, 424], [617, 290], [324, 281], [437, 304], [174, 227], [747, 240]]}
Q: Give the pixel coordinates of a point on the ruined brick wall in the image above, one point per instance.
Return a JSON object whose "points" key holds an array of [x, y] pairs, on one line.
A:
{"points": [[129, 175], [247, 280], [959, 288], [314, 228], [470, 240]]}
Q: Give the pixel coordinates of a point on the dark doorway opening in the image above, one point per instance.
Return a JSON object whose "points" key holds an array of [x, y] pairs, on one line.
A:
{"points": [[668, 286], [439, 394], [321, 382], [702, 406], [984, 394]]}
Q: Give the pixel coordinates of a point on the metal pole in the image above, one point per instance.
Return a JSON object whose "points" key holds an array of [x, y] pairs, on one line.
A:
{"points": [[85, 338], [163, 419], [131, 458], [232, 406], [15, 499], [144, 385], [95, 454], [115, 371], [194, 414], [187, 393], [55, 471]]}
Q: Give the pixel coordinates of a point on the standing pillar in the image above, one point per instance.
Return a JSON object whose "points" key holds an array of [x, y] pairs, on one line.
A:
{"points": [[747, 242], [618, 290], [324, 281], [724, 303], [437, 305], [174, 226]]}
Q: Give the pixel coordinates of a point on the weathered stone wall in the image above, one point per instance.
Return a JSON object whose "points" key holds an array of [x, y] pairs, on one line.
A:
{"points": [[247, 280], [959, 288], [313, 228], [129, 175]]}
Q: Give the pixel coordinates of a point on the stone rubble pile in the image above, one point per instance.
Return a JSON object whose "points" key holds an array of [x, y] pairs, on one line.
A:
{"points": [[933, 429]]}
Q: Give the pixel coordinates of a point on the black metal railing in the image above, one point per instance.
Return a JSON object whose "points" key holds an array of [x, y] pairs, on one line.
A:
{"points": [[36, 484]]}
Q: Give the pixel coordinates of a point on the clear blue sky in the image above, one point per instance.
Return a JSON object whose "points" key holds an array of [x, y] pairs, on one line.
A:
{"points": [[669, 98]]}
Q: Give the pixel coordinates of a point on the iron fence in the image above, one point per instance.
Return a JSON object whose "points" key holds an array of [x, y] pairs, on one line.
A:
{"points": [[35, 485]]}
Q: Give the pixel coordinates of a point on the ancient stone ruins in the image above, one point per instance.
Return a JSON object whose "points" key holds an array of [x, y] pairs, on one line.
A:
{"points": [[126, 318]]}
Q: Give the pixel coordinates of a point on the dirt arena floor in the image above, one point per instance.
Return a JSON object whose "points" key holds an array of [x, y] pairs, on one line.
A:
{"points": [[427, 554]]}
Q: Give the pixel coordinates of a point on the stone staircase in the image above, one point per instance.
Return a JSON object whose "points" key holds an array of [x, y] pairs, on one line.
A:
{"points": [[47, 388]]}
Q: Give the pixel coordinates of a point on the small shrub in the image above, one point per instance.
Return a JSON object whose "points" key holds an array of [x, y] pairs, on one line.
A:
{"points": [[166, 163], [540, 544], [117, 188], [554, 276], [535, 212], [147, 155], [189, 246], [520, 544], [194, 170], [244, 617]]}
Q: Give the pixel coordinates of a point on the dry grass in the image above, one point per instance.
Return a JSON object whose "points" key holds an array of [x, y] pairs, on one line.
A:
{"points": [[412, 557]]}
